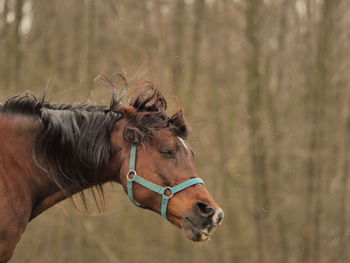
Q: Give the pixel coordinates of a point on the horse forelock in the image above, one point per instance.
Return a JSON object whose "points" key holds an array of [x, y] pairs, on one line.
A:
{"points": [[151, 115]]}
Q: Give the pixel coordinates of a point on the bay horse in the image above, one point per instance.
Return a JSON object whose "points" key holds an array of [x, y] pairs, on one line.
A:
{"points": [[49, 152]]}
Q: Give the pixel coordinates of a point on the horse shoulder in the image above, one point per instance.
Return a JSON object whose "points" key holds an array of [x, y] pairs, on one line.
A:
{"points": [[15, 209]]}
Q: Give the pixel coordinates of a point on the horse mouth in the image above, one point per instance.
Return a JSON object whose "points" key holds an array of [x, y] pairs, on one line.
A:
{"points": [[193, 233]]}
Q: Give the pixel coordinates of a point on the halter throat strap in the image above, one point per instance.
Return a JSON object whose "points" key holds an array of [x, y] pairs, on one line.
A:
{"points": [[166, 192]]}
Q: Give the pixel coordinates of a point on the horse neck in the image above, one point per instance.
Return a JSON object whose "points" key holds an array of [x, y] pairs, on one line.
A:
{"points": [[19, 135], [49, 193], [18, 174]]}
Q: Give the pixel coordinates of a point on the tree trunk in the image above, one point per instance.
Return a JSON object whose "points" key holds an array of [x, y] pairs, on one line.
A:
{"points": [[177, 61], [5, 67], [343, 244], [276, 148], [321, 84], [78, 23], [199, 10], [254, 82], [90, 41], [17, 53], [4, 23]]}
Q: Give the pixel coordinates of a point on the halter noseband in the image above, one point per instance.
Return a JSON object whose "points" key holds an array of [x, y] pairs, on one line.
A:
{"points": [[154, 187]]}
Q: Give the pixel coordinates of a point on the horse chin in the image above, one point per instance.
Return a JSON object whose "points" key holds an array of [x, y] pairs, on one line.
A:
{"points": [[193, 233]]}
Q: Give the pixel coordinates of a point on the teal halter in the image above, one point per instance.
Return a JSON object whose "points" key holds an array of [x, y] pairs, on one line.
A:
{"points": [[154, 187]]}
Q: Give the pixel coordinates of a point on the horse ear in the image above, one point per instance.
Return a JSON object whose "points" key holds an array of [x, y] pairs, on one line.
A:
{"points": [[178, 124], [128, 111], [133, 135]]}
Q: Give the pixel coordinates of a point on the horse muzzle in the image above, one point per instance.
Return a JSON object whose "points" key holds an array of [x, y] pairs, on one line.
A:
{"points": [[200, 223]]}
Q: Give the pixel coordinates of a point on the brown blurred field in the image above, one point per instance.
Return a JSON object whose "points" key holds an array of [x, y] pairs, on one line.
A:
{"points": [[266, 87]]}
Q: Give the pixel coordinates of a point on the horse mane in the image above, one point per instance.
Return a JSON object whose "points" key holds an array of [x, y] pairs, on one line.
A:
{"points": [[29, 104], [73, 146]]}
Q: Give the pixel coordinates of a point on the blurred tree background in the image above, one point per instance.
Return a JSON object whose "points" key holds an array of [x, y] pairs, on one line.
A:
{"points": [[265, 84]]}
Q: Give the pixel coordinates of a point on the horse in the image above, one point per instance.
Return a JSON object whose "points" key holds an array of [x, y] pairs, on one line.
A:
{"points": [[50, 152]]}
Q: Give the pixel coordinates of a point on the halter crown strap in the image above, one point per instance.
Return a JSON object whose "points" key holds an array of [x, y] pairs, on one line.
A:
{"points": [[166, 192]]}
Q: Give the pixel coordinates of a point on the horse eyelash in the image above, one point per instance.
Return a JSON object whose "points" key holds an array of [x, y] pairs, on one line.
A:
{"points": [[167, 153]]}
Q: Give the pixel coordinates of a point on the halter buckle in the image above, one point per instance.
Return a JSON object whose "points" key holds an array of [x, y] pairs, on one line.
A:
{"points": [[171, 193], [133, 172]]}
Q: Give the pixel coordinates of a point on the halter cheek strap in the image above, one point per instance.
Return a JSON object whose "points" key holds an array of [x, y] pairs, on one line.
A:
{"points": [[166, 192]]}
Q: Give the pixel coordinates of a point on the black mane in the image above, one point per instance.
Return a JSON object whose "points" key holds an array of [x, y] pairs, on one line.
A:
{"points": [[73, 145], [28, 104]]}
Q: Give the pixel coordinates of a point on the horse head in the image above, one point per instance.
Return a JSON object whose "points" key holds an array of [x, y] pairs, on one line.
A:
{"points": [[157, 165]]}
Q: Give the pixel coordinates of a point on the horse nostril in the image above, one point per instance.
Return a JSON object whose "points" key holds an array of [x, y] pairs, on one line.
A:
{"points": [[219, 216], [204, 209]]}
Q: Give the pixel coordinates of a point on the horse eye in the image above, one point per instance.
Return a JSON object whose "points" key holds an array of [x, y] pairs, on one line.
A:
{"points": [[167, 153]]}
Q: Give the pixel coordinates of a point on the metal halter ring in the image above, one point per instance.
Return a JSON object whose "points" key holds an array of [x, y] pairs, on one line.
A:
{"points": [[171, 192], [131, 178]]}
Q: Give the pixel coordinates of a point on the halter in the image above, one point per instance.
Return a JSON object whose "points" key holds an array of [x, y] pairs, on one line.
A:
{"points": [[154, 187]]}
